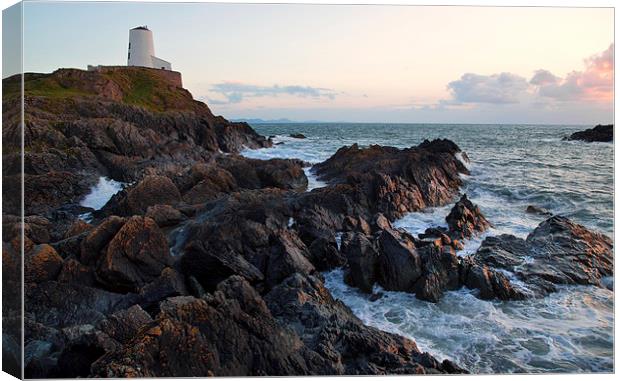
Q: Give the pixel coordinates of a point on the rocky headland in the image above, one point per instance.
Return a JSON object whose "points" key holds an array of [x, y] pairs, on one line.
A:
{"points": [[209, 264]]}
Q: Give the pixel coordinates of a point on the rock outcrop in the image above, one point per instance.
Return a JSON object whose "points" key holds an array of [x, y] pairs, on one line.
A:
{"points": [[557, 252], [84, 124], [465, 220], [600, 133]]}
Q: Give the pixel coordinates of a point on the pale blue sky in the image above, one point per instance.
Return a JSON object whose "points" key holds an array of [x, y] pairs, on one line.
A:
{"points": [[352, 63]]}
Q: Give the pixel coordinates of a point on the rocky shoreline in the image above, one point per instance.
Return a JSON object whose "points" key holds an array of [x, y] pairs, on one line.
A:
{"points": [[209, 263]]}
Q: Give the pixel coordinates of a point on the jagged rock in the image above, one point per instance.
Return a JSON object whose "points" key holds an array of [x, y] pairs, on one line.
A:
{"points": [[558, 251], [74, 272], [239, 234], [59, 305], [491, 284], [465, 220], [600, 133], [85, 344], [358, 224], [330, 329], [123, 325], [206, 183], [98, 238], [440, 272], [324, 254], [400, 265], [169, 283], [229, 334], [362, 261], [297, 136], [150, 191], [289, 255], [212, 266], [380, 222], [78, 227], [390, 180], [134, 257]]}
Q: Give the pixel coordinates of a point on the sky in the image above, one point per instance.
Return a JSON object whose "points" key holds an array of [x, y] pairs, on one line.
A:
{"points": [[425, 64]]}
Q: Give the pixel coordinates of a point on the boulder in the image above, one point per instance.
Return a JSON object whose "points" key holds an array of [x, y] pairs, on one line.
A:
{"points": [[134, 257], [324, 254], [362, 261], [532, 209], [42, 263], [123, 325], [289, 255], [74, 272], [98, 238], [169, 283], [440, 272], [164, 215], [78, 227], [400, 265]]}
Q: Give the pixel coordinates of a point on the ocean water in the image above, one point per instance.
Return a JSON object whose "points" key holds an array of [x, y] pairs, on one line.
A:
{"points": [[512, 166], [101, 193]]}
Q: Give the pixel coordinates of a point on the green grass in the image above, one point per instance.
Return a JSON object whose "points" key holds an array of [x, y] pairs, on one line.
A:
{"points": [[139, 87]]}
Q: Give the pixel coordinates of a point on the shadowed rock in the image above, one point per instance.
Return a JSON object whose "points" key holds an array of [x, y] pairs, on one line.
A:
{"points": [[135, 256], [465, 220], [600, 133]]}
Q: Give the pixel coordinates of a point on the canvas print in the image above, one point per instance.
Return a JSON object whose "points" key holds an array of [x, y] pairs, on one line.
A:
{"points": [[205, 189]]}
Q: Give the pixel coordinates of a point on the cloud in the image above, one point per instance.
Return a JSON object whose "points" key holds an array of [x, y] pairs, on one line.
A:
{"points": [[543, 78], [544, 89], [235, 92], [497, 88], [594, 83]]}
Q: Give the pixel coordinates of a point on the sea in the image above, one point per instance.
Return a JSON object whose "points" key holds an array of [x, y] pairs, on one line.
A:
{"points": [[511, 167]]}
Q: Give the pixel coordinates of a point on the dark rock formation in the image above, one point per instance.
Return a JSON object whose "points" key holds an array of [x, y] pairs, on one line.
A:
{"points": [[298, 136], [558, 251], [465, 220], [362, 261], [230, 333], [329, 329], [532, 209], [390, 180], [600, 133], [134, 257]]}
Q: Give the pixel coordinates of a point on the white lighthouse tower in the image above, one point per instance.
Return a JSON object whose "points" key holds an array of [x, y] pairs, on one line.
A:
{"points": [[141, 50]]}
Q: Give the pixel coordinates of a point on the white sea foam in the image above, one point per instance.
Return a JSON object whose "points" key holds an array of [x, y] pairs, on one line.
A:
{"points": [[313, 181], [566, 331], [101, 193]]}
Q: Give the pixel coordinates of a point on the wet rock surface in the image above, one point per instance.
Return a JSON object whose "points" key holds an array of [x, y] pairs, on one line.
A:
{"points": [[557, 252]]}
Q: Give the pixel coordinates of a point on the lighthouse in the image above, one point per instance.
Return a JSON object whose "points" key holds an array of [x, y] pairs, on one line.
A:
{"points": [[141, 51]]}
